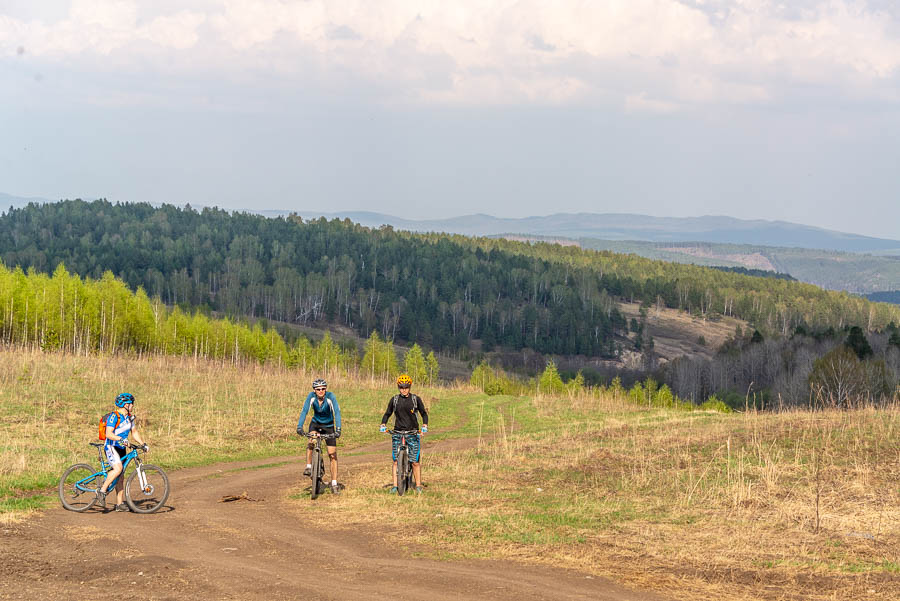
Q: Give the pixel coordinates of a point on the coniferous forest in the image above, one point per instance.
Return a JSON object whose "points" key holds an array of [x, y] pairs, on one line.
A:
{"points": [[434, 290], [138, 278], [443, 291]]}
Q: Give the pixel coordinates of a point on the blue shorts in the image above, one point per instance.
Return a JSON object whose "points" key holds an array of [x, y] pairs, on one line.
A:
{"points": [[412, 444]]}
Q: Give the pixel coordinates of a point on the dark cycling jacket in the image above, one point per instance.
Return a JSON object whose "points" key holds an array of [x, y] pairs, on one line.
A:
{"points": [[405, 414], [326, 414]]}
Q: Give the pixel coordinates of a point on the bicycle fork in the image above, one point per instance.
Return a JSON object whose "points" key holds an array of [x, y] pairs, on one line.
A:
{"points": [[142, 479]]}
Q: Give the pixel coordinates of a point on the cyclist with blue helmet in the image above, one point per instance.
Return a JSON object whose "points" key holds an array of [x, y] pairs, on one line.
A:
{"points": [[118, 428], [326, 419]]}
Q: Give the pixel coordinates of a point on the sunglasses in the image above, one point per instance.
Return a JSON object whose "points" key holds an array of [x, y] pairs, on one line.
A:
{"points": [[320, 388]]}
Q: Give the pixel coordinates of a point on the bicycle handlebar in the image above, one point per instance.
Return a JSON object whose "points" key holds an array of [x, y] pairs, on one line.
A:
{"points": [[317, 435], [100, 445], [402, 432]]}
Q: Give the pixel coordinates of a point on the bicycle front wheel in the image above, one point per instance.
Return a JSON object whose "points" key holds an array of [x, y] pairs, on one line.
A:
{"points": [[78, 487], [409, 474], [150, 496], [402, 471], [316, 475]]}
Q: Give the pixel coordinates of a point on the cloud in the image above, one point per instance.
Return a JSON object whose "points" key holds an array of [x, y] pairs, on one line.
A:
{"points": [[639, 103], [100, 28], [657, 55]]}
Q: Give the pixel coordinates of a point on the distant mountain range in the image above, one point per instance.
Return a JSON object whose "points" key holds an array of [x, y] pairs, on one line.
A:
{"points": [[8, 200], [624, 226], [606, 226]]}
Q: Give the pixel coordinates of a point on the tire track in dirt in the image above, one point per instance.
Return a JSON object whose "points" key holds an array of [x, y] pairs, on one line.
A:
{"points": [[200, 548]]}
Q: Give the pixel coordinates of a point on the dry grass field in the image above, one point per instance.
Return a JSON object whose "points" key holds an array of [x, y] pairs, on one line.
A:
{"points": [[696, 505], [191, 412]]}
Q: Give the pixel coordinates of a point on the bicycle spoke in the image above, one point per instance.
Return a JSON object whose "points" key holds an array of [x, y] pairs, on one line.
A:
{"points": [[78, 487], [148, 496]]}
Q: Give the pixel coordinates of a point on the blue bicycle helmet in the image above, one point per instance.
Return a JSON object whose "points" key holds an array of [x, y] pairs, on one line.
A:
{"points": [[123, 399]]}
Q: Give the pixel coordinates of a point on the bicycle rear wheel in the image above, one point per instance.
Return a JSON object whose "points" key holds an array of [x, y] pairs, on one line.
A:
{"points": [[151, 497], [316, 474], [78, 487], [402, 471], [409, 474]]}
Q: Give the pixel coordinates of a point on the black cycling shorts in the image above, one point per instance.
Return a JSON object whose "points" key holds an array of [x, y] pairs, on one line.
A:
{"points": [[324, 430]]}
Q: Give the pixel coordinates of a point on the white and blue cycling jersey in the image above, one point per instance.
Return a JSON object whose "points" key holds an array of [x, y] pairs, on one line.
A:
{"points": [[120, 425]]}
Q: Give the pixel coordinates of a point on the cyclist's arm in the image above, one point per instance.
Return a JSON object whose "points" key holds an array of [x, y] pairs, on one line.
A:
{"points": [[420, 407], [388, 411], [305, 411], [135, 434], [337, 411]]}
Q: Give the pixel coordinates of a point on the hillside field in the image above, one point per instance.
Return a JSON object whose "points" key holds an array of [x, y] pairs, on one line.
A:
{"points": [[798, 505], [858, 273], [677, 333]]}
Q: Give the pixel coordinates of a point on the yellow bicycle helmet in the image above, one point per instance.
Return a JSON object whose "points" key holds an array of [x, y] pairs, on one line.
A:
{"points": [[404, 381]]}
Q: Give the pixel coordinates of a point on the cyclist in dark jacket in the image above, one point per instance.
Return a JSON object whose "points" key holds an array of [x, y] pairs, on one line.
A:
{"points": [[404, 406], [326, 420]]}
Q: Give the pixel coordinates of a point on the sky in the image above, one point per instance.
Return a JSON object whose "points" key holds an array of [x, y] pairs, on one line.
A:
{"points": [[425, 109]]}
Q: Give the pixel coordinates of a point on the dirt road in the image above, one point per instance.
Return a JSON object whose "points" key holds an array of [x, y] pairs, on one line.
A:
{"points": [[200, 548]]}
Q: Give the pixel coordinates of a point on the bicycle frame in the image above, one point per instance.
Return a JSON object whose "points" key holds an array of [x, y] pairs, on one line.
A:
{"points": [[105, 467], [317, 460], [403, 471]]}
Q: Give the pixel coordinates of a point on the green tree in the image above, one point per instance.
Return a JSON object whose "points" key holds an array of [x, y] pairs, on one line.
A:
{"points": [[616, 389], [415, 366], [370, 362], [575, 386], [550, 381], [433, 368], [858, 343]]}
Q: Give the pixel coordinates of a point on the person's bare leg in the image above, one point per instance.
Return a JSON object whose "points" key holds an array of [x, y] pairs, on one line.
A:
{"points": [[417, 473], [114, 470], [332, 453]]}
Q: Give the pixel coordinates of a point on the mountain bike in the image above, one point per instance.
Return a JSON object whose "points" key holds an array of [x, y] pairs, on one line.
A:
{"points": [[146, 489], [317, 462], [404, 463]]}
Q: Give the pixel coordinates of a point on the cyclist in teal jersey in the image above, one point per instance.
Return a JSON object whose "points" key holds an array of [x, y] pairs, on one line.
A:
{"points": [[118, 428], [326, 420]]}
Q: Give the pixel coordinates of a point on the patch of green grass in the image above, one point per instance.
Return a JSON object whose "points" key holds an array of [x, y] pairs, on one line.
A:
{"points": [[18, 504], [891, 567]]}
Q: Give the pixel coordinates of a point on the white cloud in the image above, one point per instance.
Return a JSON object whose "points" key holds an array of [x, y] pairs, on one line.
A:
{"points": [[652, 54], [640, 103], [115, 15]]}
